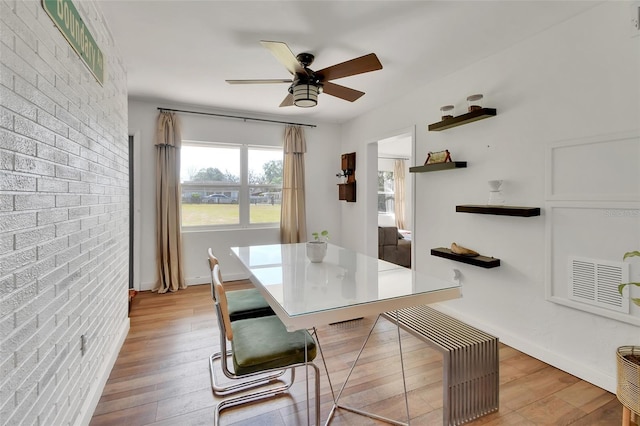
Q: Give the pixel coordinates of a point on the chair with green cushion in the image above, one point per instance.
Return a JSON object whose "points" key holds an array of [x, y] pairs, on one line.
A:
{"points": [[243, 304], [258, 346]]}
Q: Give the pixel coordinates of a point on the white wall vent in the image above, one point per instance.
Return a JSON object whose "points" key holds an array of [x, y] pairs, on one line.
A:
{"points": [[595, 282]]}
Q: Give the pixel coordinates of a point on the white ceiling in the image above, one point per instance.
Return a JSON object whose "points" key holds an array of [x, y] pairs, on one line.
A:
{"points": [[181, 52]]}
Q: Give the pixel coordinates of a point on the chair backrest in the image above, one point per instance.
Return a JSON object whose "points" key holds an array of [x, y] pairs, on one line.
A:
{"points": [[213, 261], [221, 302]]}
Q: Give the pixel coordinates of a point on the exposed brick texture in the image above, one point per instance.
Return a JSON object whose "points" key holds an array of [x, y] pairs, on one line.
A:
{"points": [[63, 215]]}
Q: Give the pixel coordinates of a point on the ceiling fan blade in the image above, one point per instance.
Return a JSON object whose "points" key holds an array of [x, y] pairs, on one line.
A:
{"points": [[266, 81], [355, 66], [284, 55], [287, 101], [341, 92]]}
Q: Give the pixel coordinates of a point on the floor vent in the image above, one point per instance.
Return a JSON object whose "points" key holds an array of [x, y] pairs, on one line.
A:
{"points": [[595, 282]]}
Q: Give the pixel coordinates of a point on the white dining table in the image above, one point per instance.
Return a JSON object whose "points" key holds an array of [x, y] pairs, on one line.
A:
{"points": [[344, 286]]}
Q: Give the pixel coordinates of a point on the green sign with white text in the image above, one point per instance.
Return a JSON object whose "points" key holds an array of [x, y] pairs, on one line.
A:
{"points": [[66, 17]]}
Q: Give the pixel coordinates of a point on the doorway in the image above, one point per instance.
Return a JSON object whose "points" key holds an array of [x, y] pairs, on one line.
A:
{"points": [[394, 186], [394, 198]]}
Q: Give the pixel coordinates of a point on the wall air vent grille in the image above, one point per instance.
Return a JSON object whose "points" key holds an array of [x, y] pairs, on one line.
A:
{"points": [[595, 282]]}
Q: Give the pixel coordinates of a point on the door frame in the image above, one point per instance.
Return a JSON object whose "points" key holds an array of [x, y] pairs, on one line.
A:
{"points": [[134, 212], [371, 206]]}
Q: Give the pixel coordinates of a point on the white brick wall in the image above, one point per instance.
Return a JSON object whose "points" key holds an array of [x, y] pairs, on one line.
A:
{"points": [[63, 216]]}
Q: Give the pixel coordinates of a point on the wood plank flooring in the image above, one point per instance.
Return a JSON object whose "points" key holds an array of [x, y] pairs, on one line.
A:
{"points": [[161, 376]]}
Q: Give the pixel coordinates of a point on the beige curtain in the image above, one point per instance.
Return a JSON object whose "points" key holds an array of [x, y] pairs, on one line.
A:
{"points": [[399, 192], [293, 222], [168, 236]]}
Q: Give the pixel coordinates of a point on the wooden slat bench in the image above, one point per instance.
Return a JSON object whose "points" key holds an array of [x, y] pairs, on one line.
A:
{"points": [[470, 362]]}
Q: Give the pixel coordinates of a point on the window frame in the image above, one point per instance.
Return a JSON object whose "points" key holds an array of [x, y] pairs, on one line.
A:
{"points": [[385, 192], [243, 187]]}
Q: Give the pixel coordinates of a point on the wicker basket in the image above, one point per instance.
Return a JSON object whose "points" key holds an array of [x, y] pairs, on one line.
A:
{"points": [[628, 390]]}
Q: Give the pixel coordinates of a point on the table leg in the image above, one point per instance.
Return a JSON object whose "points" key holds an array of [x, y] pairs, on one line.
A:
{"points": [[326, 370], [336, 405]]}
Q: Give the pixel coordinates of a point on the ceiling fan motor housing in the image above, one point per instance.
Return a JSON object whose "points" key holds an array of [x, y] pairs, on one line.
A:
{"points": [[305, 59]]}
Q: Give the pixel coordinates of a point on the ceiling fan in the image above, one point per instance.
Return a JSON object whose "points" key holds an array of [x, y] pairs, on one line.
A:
{"points": [[306, 84]]}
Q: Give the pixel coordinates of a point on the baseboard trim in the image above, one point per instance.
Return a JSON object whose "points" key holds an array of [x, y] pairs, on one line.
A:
{"points": [[91, 402], [148, 286], [227, 278]]}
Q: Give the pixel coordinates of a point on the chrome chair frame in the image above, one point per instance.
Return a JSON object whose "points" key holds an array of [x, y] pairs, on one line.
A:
{"points": [[218, 388], [262, 394]]}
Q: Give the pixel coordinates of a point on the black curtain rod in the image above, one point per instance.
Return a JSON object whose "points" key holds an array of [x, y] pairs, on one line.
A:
{"points": [[236, 116]]}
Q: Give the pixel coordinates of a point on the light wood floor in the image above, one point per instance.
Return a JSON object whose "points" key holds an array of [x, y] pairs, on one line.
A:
{"points": [[161, 377]]}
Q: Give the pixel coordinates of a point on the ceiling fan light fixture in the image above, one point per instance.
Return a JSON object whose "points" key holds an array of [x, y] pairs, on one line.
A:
{"points": [[305, 95]]}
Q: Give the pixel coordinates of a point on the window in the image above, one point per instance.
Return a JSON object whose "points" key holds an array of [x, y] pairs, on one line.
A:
{"points": [[386, 192], [230, 185]]}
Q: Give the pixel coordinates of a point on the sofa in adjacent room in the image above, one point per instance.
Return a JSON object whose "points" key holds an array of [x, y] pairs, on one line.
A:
{"points": [[393, 246]]}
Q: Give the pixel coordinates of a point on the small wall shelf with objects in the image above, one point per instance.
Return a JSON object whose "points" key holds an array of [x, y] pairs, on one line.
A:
{"points": [[347, 188], [481, 261], [470, 117], [499, 210], [438, 166]]}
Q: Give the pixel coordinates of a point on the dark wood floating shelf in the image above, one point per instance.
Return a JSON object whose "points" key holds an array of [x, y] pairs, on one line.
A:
{"points": [[482, 261], [438, 166], [469, 117], [499, 210]]}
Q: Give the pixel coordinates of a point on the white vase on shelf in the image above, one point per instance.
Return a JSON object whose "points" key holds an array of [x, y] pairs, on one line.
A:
{"points": [[495, 193]]}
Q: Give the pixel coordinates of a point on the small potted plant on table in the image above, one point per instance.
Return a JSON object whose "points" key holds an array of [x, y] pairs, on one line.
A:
{"points": [[317, 248]]}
